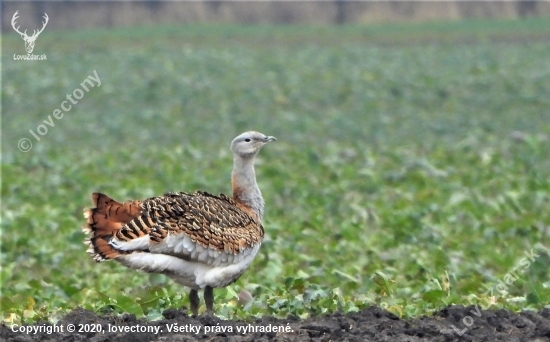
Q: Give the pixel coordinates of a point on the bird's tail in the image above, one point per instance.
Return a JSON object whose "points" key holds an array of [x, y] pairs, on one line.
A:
{"points": [[103, 221]]}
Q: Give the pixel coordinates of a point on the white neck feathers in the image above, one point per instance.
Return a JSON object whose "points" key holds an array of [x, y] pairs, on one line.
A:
{"points": [[245, 188]]}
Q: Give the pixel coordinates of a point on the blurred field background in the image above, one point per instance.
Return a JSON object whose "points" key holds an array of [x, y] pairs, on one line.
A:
{"points": [[412, 169]]}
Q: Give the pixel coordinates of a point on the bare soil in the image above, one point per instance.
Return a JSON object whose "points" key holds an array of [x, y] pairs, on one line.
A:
{"points": [[371, 324]]}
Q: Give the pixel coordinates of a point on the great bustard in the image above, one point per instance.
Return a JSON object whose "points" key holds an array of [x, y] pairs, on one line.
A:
{"points": [[200, 240]]}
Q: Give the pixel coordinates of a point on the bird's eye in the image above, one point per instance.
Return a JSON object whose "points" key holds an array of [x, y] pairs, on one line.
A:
{"points": [[247, 140]]}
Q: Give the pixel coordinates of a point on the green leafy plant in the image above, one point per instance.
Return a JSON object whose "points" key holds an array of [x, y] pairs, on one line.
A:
{"points": [[411, 170]]}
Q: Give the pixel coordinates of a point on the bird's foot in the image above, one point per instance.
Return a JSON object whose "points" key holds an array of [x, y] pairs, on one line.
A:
{"points": [[194, 301]]}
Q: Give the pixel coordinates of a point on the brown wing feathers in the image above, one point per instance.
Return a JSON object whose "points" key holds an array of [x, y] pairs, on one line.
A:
{"points": [[136, 228], [215, 222]]}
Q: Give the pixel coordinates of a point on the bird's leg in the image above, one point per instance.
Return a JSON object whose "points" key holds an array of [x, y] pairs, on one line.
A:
{"points": [[209, 299], [194, 301]]}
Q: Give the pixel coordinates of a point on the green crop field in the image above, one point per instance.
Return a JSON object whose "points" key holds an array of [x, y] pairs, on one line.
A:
{"points": [[411, 171]]}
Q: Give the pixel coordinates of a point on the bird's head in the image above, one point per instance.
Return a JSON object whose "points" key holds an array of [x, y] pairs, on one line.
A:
{"points": [[248, 144]]}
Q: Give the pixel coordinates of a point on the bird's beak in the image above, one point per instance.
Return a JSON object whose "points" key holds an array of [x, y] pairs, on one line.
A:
{"points": [[270, 138]]}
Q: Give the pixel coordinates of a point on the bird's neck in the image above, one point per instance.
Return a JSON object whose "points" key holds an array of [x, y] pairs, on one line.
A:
{"points": [[245, 188]]}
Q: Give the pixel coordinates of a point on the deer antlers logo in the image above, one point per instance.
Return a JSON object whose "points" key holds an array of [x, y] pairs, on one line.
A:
{"points": [[29, 41]]}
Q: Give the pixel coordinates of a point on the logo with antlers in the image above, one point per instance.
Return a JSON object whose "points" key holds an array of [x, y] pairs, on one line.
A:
{"points": [[29, 41]]}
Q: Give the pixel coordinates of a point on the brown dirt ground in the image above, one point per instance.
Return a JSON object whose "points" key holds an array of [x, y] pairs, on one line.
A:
{"points": [[371, 324]]}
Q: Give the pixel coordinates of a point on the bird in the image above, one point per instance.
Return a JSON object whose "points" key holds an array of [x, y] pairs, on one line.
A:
{"points": [[199, 240]]}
